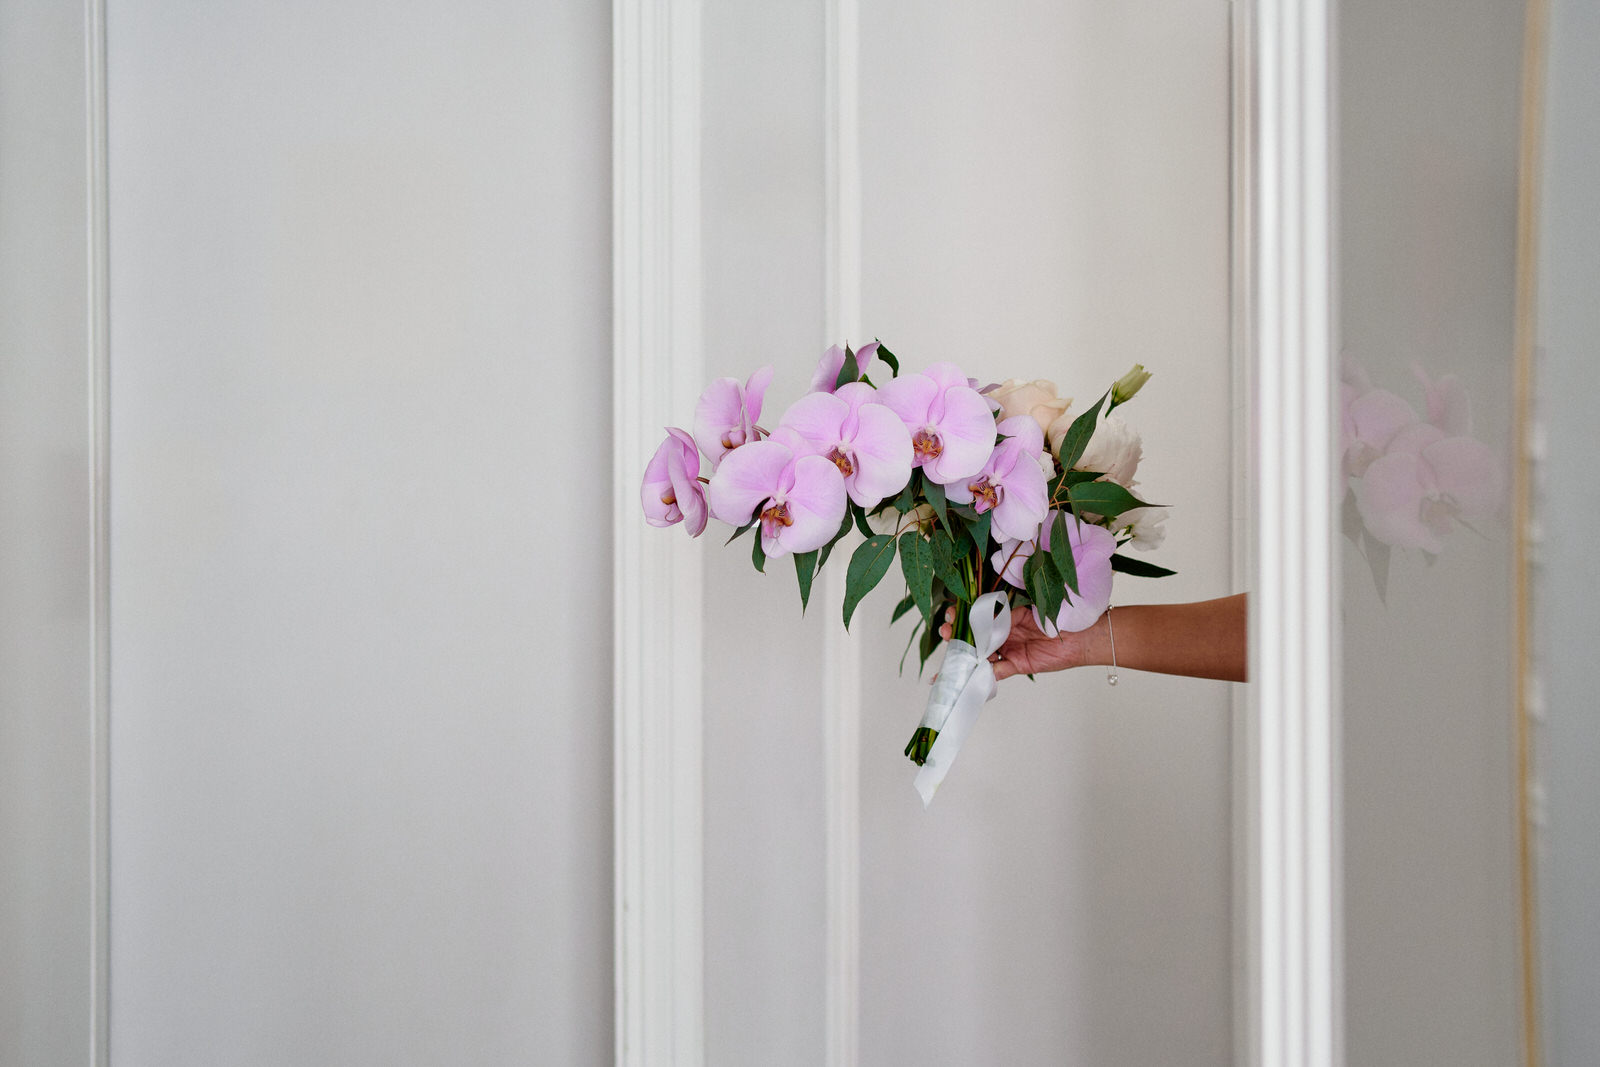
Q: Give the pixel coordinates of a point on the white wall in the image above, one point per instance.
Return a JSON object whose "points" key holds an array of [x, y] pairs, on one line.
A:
{"points": [[1428, 108], [361, 726], [1569, 578], [46, 446]]}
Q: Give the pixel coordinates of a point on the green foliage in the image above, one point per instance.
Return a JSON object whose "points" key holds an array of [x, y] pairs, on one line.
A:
{"points": [[1102, 498], [935, 494], [805, 568], [827, 549], [1139, 568], [944, 553], [850, 371], [1061, 552], [889, 358], [916, 561], [758, 555], [867, 568], [1078, 435]]}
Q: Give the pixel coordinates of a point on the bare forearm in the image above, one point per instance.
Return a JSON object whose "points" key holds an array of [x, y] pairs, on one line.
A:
{"points": [[1207, 639]]}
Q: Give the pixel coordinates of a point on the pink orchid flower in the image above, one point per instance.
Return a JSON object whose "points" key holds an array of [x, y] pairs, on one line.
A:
{"points": [[1011, 483], [952, 428], [799, 499], [833, 362], [1416, 493], [726, 415], [1092, 548], [865, 440], [672, 492]]}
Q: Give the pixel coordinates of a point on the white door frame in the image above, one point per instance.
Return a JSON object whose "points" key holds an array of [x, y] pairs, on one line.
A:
{"points": [[1286, 782]]}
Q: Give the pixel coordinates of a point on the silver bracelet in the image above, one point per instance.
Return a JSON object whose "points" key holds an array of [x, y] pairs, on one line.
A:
{"points": [[1111, 673]]}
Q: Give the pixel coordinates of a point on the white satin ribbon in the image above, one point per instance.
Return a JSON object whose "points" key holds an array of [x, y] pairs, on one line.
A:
{"points": [[965, 683]]}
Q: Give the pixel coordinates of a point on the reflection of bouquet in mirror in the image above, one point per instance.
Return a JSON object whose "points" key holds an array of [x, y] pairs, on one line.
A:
{"points": [[993, 498], [1412, 478]]}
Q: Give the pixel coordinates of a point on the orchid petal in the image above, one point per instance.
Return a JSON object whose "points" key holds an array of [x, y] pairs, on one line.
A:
{"points": [[881, 447], [1009, 558], [828, 369], [818, 417], [816, 505], [718, 412], [1024, 499], [754, 391], [966, 431], [747, 479], [910, 396], [1390, 496], [1025, 430]]}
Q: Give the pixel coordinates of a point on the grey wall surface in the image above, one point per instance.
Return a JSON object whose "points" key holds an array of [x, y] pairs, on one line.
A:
{"points": [[1568, 588], [46, 658], [1428, 107], [361, 313]]}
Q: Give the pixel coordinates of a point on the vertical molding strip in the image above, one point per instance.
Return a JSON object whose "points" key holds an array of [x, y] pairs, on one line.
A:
{"points": [[841, 687], [99, 414], [657, 589], [1293, 835]]}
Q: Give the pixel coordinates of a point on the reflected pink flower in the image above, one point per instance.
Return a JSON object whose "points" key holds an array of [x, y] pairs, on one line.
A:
{"points": [[1427, 483], [1448, 405], [865, 440], [1092, 548], [725, 417], [799, 499], [1368, 422], [672, 491], [1011, 483], [952, 429]]}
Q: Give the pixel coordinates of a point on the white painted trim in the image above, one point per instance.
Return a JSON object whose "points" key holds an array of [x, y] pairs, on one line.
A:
{"points": [[1292, 838], [841, 687], [656, 375], [98, 291], [1242, 308]]}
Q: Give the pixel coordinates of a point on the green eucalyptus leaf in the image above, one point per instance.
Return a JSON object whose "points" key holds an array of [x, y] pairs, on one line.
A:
{"points": [[1061, 551], [805, 569], [740, 532], [1078, 435], [931, 640], [915, 630], [1139, 568], [908, 496], [905, 605], [867, 568], [1103, 498], [980, 533], [850, 371], [860, 516], [916, 562], [944, 554], [758, 555], [889, 358]]}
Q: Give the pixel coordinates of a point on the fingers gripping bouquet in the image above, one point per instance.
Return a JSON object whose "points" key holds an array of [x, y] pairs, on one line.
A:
{"points": [[993, 498]]}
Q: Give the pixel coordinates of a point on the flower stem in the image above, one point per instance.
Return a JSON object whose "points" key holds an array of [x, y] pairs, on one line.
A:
{"points": [[921, 742]]}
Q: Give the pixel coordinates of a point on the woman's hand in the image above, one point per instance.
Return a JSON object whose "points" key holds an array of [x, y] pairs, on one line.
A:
{"points": [[1028, 651]]}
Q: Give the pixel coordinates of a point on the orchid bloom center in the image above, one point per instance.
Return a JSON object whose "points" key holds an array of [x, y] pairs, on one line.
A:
{"points": [[669, 497], [732, 437], [984, 495], [926, 444], [778, 514], [841, 459], [1437, 513]]}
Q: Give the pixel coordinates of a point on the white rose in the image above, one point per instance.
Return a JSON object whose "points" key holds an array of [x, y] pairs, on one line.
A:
{"points": [[1036, 398], [1145, 524], [1115, 450]]}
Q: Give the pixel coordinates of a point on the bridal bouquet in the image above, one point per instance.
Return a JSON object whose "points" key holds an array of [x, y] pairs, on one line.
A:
{"points": [[994, 498]]}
